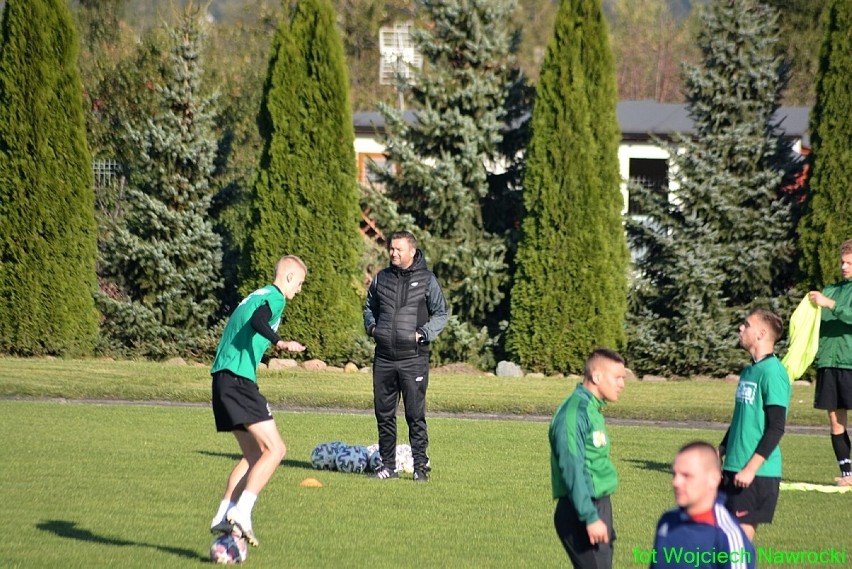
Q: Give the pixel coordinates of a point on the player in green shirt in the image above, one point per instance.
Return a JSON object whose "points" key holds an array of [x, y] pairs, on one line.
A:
{"points": [[238, 405], [833, 391], [581, 472], [751, 474]]}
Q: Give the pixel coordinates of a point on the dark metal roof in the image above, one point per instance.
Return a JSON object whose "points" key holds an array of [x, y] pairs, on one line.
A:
{"points": [[637, 119]]}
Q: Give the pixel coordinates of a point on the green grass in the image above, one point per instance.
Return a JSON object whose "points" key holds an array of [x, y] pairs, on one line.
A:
{"points": [[454, 393], [88, 485]]}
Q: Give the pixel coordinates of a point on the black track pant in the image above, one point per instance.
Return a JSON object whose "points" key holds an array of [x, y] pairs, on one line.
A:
{"points": [[575, 538], [408, 378]]}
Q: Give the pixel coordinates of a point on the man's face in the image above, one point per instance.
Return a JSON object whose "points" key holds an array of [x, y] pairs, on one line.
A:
{"points": [[694, 481], [846, 265], [293, 282], [401, 253], [749, 331], [608, 376]]}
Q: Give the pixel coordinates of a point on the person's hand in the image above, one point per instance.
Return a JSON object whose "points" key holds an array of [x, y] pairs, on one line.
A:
{"points": [[598, 532], [744, 478], [820, 299], [290, 346]]}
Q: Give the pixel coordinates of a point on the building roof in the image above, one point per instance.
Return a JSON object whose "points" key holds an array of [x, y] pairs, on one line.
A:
{"points": [[637, 119]]}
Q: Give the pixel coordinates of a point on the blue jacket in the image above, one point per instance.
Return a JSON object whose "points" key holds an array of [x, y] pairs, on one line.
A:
{"points": [[682, 543]]}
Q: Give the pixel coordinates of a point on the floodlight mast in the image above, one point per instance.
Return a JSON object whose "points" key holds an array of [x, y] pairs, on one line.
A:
{"points": [[398, 57]]}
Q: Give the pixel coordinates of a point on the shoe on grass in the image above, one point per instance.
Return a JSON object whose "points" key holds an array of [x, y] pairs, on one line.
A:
{"points": [[844, 481], [421, 476], [242, 526], [385, 474], [221, 527]]}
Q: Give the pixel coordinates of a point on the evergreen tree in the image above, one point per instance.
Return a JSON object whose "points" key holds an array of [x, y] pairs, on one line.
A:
{"points": [[723, 241], [828, 218], [47, 226], [570, 286], [449, 164], [164, 258], [305, 199]]}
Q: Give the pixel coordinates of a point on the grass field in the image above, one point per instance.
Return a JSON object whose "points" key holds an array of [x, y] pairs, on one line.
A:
{"points": [[454, 393], [89, 485]]}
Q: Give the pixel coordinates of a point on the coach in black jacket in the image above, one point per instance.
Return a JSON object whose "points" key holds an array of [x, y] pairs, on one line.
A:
{"points": [[404, 312]]}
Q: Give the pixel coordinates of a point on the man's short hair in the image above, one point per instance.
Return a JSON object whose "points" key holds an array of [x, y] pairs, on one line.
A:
{"points": [[772, 321], [604, 353], [407, 235], [285, 259], [706, 449], [846, 247]]}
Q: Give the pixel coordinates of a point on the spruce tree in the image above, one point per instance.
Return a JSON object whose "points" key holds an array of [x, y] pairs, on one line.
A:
{"points": [[163, 258], [47, 226], [828, 218], [449, 165], [722, 242], [305, 199], [569, 295]]}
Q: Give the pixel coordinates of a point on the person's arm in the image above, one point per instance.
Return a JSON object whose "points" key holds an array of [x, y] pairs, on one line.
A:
{"points": [[842, 312], [776, 420], [260, 323], [724, 444], [436, 304], [371, 307]]}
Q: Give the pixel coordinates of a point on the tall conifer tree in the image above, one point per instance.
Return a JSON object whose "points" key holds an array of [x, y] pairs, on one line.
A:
{"points": [[305, 199], [164, 257], [570, 286], [47, 226], [723, 241], [828, 218], [452, 163]]}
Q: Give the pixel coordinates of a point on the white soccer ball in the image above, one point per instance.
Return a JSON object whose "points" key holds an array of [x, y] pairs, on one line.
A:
{"points": [[352, 459], [404, 459], [322, 457]]}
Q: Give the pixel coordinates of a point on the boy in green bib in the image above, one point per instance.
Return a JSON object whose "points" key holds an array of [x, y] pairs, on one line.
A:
{"points": [[751, 473], [239, 407]]}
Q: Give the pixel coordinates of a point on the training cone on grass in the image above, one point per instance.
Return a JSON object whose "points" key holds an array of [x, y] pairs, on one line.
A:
{"points": [[310, 483]]}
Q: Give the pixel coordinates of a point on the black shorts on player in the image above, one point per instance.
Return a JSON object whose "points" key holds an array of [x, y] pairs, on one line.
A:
{"points": [[237, 402], [753, 505], [833, 389]]}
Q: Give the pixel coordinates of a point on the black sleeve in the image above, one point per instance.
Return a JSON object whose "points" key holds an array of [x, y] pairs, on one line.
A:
{"points": [[260, 323], [776, 418]]}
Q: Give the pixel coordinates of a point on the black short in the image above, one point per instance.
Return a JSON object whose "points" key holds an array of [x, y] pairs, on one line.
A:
{"points": [[753, 505], [237, 402], [833, 389]]}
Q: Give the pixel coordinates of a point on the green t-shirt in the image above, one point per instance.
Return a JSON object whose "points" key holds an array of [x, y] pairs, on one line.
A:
{"points": [[241, 347], [761, 384]]}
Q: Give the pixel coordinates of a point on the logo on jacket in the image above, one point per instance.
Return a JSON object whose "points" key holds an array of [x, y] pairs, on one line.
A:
{"points": [[599, 439], [414, 284]]}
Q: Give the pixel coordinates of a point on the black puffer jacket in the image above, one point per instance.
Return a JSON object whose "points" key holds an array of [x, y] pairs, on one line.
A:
{"points": [[401, 302]]}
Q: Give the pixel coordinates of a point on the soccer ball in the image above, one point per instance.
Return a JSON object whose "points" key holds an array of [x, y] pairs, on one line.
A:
{"points": [[352, 459], [404, 459], [228, 549], [322, 457], [374, 462]]}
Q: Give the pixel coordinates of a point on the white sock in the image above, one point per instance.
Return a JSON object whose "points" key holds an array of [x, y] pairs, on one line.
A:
{"points": [[246, 503], [224, 506]]}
